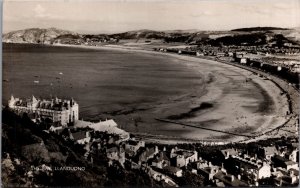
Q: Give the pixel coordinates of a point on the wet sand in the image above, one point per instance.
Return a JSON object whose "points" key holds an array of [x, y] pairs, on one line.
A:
{"points": [[225, 102]]}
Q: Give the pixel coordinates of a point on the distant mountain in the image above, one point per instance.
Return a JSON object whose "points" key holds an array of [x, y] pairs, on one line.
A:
{"points": [[35, 35], [242, 36], [249, 29], [147, 34]]}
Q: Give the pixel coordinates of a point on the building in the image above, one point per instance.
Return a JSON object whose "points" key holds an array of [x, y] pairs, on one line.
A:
{"points": [[107, 126], [253, 168], [173, 171], [293, 155], [116, 153], [286, 178], [287, 164], [267, 152], [220, 54], [228, 180], [226, 153], [58, 111], [183, 157], [243, 60], [147, 154], [161, 160], [132, 146], [199, 54], [81, 137], [208, 172]]}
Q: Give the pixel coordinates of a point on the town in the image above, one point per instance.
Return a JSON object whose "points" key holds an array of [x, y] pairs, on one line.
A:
{"points": [[274, 162]]}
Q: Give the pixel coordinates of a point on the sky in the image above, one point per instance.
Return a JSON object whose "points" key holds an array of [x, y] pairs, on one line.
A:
{"points": [[98, 16]]}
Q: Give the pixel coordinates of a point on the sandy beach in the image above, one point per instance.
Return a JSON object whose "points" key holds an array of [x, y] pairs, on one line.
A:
{"points": [[232, 99]]}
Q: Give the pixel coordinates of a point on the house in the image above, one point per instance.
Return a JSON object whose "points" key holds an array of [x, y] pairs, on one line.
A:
{"points": [[132, 146], [183, 157], [286, 178], [157, 176], [81, 137], [226, 153], [220, 54], [267, 152], [147, 154], [202, 163], [173, 171], [243, 60], [161, 160], [230, 54], [116, 153], [228, 180], [287, 164], [199, 54], [264, 171], [208, 172], [168, 183], [249, 167], [57, 130], [293, 155]]}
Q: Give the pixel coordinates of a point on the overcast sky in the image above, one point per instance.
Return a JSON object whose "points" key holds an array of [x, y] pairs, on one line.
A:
{"points": [[118, 16]]}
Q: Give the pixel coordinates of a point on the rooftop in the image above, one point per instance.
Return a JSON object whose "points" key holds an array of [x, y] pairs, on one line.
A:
{"points": [[172, 169], [52, 104], [230, 180], [79, 135]]}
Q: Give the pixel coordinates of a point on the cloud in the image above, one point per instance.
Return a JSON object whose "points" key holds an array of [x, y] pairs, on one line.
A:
{"points": [[39, 11], [203, 13], [282, 6]]}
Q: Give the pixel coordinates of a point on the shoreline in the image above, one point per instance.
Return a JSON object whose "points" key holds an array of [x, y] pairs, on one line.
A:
{"points": [[265, 128], [189, 59]]}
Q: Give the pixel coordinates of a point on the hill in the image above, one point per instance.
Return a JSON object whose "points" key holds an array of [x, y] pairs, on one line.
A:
{"points": [[249, 29], [30, 157], [35, 35], [242, 36]]}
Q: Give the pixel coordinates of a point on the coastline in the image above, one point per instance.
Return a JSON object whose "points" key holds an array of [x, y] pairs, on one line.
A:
{"points": [[191, 61]]}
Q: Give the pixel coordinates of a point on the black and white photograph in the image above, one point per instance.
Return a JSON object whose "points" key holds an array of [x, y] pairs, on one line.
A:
{"points": [[150, 93]]}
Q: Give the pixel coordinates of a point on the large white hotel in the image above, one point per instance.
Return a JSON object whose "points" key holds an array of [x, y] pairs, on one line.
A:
{"points": [[60, 112]]}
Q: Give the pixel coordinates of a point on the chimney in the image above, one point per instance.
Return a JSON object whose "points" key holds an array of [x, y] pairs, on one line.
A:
{"points": [[232, 178], [209, 164]]}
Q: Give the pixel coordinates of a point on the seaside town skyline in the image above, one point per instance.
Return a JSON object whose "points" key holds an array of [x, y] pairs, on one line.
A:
{"points": [[113, 17]]}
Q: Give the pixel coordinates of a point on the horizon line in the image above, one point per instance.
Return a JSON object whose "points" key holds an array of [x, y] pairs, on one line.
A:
{"points": [[168, 30]]}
